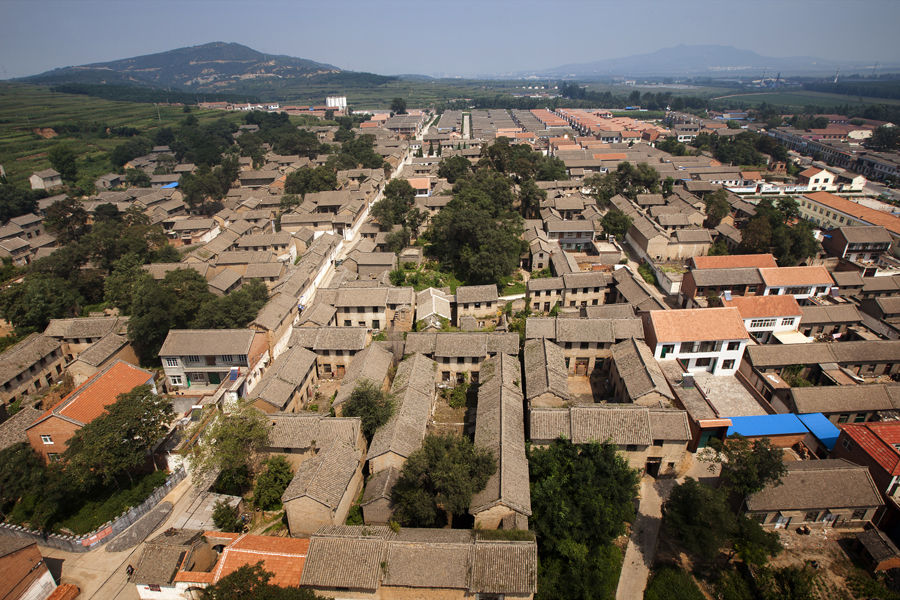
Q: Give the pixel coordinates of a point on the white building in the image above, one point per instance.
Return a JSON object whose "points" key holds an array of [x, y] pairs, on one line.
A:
{"points": [[766, 316], [703, 339], [799, 282]]}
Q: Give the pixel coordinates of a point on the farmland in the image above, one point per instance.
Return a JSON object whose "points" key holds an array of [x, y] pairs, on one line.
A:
{"points": [[797, 99]]}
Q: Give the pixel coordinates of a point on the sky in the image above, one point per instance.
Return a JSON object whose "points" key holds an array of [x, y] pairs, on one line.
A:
{"points": [[452, 38]]}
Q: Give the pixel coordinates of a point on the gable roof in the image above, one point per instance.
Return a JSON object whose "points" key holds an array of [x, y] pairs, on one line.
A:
{"points": [[878, 440], [792, 276], [697, 324], [372, 364], [283, 557], [752, 307], [760, 261], [91, 399], [819, 484], [639, 370], [545, 369], [413, 392], [863, 213], [623, 425], [202, 342]]}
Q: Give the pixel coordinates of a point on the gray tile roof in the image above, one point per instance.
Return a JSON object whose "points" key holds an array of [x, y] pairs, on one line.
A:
{"points": [[380, 485], [372, 364], [843, 353], [545, 369], [275, 311], [819, 484], [719, 277], [12, 430], [364, 557], [162, 555], [319, 313], [500, 428], [85, 327], [225, 280], [202, 342], [413, 392], [452, 344], [100, 351], [639, 370], [828, 314], [476, 293], [329, 338], [621, 425], [286, 373], [846, 398], [24, 354]]}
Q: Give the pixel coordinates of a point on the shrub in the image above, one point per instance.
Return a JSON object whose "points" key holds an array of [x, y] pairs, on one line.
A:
{"points": [[271, 483], [225, 517], [672, 584]]}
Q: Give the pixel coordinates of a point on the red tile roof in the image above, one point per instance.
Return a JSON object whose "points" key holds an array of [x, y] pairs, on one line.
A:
{"points": [[863, 213], [787, 276], [65, 591], [877, 440], [90, 400], [697, 324], [611, 156], [755, 307], [810, 172], [736, 261], [283, 557]]}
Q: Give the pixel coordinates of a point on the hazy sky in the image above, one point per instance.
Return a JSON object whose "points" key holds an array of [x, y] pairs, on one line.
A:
{"points": [[440, 37]]}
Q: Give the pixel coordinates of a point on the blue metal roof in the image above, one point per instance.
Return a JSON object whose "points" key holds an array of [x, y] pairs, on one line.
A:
{"points": [[819, 425], [763, 425], [174, 184]]}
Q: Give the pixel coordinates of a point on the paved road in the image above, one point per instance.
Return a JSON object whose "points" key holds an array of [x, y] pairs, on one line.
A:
{"points": [[642, 545]]}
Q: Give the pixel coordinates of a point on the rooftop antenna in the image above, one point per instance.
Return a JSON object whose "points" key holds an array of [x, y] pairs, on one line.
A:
{"points": [[837, 71]]}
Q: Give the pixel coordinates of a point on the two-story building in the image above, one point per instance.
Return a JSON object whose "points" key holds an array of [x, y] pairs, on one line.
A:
{"points": [[800, 282], [766, 316], [708, 339], [30, 367], [477, 301], [198, 361]]}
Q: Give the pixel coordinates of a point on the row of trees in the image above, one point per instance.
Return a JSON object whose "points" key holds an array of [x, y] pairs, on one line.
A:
{"points": [[778, 228]]}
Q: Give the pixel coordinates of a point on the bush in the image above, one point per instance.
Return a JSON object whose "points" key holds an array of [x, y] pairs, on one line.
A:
{"points": [[96, 512], [672, 584], [225, 517], [271, 483], [233, 482], [647, 273]]}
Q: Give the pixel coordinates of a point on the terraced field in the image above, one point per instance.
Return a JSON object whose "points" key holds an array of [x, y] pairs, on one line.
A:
{"points": [[27, 113]]}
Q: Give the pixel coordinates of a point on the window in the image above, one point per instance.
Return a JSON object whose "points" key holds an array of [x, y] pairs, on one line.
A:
{"points": [[46, 439], [171, 362], [860, 418], [843, 418], [52, 456], [703, 362], [667, 349], [788, 321], [847, 444], [763, 323], [630, 448], [811, 516], [734, 345], [193, 358], [175, 379], [657, 443], [858, 514], [227, 358], [728, 364]]}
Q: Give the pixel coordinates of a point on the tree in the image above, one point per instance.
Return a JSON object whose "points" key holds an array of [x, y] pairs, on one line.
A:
{"points": [[225, 517], [67, 218], [753, 544], [62, 158], [371, 404], [398, 106], [251, 582], [616, 223], [788, 207], [748, 467], [21, 472], [118, 287], [717, 208], [232, 311], [29, 305], [439, 480], [232, 442], [271, 483], [698, 517], [884, 138], [719, 248], [671, 583], [396, 241], [581, 497], [305, 180], [453, 168], [788, 583], [756, 237], [398, 198], [16, 201], [137, 178], [530, 198], [120, 440]]}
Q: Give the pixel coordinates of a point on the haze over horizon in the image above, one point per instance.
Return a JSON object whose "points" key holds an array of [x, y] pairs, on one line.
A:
{"points": [[462, 38]]}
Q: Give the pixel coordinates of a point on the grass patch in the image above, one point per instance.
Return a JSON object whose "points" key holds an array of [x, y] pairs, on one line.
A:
{"points": [[426, 275], [672, 584], [515, 535], [97, 511], [647, 273]]}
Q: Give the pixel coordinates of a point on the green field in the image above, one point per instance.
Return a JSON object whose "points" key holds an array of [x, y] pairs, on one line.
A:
{"points": [[26, 108], [797, 99]]}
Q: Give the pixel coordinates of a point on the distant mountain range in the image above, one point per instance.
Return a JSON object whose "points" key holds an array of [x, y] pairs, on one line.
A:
{"points": [[214, 67], [700, 60]]}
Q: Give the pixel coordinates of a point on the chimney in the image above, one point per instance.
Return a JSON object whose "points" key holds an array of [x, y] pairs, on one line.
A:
{"points": [[687, 380]]}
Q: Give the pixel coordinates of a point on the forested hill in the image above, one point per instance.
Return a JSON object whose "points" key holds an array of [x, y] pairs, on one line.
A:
{"points": [[214, 67]]}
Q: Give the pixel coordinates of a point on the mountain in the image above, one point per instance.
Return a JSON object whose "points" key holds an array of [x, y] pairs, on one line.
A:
{"points": [[708, 60], [217, 66]]}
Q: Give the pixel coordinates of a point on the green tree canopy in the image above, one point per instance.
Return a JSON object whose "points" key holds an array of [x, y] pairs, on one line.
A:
{"points": [[251, 582], [581, 497], [67, 218], [396, 202], [371, 404], [62, 158], [310, 179], [748, 467], [717, 207], [616, 223], [530, 198], [120, 440], [454, 167], [698, 517], [439, 480], [271, 483], [232, 442], [398, 106]]}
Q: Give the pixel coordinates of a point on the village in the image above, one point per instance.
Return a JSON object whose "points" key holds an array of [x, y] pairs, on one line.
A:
{"points": [[375, 350]]}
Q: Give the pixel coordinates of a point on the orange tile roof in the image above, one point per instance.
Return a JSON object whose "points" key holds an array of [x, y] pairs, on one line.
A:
{"points": [[863, 213], [368, 124], [90, 400], [419, 183], [611, 156], [878, 441], [786, 276], [751, 175], [755, 307], [65, 591], [810, 172], [735, 261], [697, 324], [283, 557]]}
